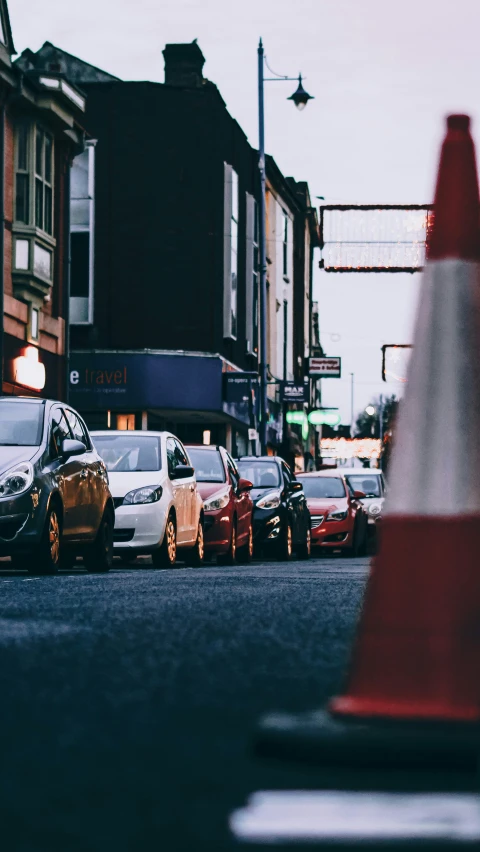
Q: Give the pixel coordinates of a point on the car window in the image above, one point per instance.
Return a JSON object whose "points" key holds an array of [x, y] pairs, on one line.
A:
{"points": [[233, 471], [208, 464], [263, 474], [59, 432], [370, 485], [77, 428], [172, 458], [21, 423], [180, 453], [126, 452], [287, 477], [322, 486]]}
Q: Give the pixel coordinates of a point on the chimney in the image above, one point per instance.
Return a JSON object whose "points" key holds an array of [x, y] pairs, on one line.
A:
{"points": [[183, 65]]}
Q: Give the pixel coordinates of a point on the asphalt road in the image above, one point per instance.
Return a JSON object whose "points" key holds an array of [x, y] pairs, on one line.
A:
{"points": [[128, 700]]}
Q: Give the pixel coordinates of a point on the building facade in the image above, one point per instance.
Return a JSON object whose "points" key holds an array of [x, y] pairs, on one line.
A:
{"points": [[164, 281], [41, 132]]}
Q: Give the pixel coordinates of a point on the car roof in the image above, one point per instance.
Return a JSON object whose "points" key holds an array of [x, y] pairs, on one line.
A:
{"points": [[260, 459], [39, 401], [334, 474], [361, 471], [145, 432]]}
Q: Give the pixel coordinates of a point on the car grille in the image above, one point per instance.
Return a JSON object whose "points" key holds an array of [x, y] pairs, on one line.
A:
{"points": [[117, 501], [317, 520], [123, 534]]}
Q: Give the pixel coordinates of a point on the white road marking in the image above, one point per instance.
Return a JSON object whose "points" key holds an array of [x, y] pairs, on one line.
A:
{"points": [[304, 816]]}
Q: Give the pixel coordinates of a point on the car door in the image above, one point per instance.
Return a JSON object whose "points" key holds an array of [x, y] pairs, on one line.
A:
{"points": [[178, 488], [190, 494], [68, 475], [92, 485], [243, 502]]}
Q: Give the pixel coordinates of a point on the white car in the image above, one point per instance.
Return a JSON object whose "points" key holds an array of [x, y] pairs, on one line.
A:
{"points": [[372, 482], [158, 509]]}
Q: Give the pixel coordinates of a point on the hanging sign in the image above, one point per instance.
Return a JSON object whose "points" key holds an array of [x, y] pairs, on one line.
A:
{"points": [[325, 368], [293, 392]]}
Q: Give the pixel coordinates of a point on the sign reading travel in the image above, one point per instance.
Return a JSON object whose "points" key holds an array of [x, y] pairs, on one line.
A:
{"points": [[293, 392], [326, 368]]}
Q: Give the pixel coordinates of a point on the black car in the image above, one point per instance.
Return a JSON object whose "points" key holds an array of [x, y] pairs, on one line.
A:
{"points": [[55, 501], [281, 519]]}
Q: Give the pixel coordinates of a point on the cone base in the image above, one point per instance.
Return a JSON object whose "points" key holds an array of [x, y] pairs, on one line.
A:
{"points": [[365, 709], [321, 739]]}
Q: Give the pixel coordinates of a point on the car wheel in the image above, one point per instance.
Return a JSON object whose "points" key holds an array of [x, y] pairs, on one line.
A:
{"points": [[354, 550], [195, 555], [230, 557], [245, 553], [286, 544], [305, 549], [166, 555], [47, 560], [363, 548], [98, 558]]}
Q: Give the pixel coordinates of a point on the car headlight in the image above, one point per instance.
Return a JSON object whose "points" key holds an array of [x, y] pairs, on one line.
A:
{"points": [[374, 509], [270, 501], [217, 501], [16, 480], [337, 516], [147, 494]]}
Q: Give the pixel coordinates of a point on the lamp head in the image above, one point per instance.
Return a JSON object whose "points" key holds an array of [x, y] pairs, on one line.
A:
{"points": [[300, 98]]}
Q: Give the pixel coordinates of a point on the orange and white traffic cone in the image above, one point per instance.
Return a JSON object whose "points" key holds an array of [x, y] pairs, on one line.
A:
{"points": [[415, 674], [418, 649]]}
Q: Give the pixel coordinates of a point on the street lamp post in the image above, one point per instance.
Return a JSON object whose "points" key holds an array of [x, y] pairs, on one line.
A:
{"points": [[300, 98]]}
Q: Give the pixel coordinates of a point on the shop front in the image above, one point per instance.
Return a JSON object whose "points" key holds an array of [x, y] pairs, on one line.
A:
{"points": [[182, 392]]}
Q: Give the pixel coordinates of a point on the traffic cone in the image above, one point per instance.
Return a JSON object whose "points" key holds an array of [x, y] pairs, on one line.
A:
{"points": [[413, 692], [418, 650]]}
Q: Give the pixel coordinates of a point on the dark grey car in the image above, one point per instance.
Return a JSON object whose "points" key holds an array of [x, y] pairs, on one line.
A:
{"points": [[55, 502]]}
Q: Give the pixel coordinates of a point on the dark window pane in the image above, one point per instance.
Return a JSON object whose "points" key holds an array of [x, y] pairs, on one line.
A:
{"points": [[21, 199], [48, 159], [80, 278], [38, 203], [48, 209], [22, 148], [39, 152]]}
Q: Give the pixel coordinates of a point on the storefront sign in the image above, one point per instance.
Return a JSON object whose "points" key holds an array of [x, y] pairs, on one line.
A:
{"points": [[294, 392], [237, 387], [325, 368], [28, 370]]}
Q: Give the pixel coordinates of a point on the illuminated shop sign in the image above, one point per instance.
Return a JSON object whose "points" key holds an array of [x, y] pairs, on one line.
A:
{"points": [[28, 371]]}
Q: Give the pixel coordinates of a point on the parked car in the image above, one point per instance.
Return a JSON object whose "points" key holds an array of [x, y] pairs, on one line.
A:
{"points": [[339, 521], [372, 482], [281, 520], [55, 501], [227, 504], [158, 508]]}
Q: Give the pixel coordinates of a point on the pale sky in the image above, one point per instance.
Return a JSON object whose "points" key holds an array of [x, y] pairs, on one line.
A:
{"points": [[383, 74]]}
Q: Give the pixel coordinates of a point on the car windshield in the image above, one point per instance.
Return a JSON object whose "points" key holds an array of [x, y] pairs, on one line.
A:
{"points": [[263, 474], [129, 453], [370, 485], [21, 423], [322, 486], [207, 463]]}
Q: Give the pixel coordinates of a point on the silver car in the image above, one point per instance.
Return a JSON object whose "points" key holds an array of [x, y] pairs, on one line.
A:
{"points": [[372, 482]]}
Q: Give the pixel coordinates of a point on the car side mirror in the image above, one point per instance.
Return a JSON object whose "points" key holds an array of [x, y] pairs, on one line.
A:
{"points": [[72, 448], [359, 495], [296, 485], [244, 485], [182, 471]]}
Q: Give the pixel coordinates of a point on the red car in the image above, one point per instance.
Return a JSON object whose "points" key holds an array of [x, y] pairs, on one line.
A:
{"points": [[227, 504], [339, 520]]}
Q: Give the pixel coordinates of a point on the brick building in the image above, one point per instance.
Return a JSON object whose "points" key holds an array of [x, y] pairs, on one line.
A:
{"points": [[40, 133]]}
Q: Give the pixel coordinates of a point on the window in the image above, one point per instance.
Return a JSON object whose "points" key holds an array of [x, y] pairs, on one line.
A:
{"points": [[59, 432], [233, 471], [231, 240], [252, 281], [22, 177], [285, 243], [43, 180], [180, 453], [129, 453], [82, 203], [125, 422], [172, 460], [208, 465], [77, 428], [34, 323], [21, 423]]}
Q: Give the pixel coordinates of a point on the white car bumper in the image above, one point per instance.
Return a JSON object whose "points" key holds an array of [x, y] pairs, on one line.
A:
{"points": [[139, 527]]}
